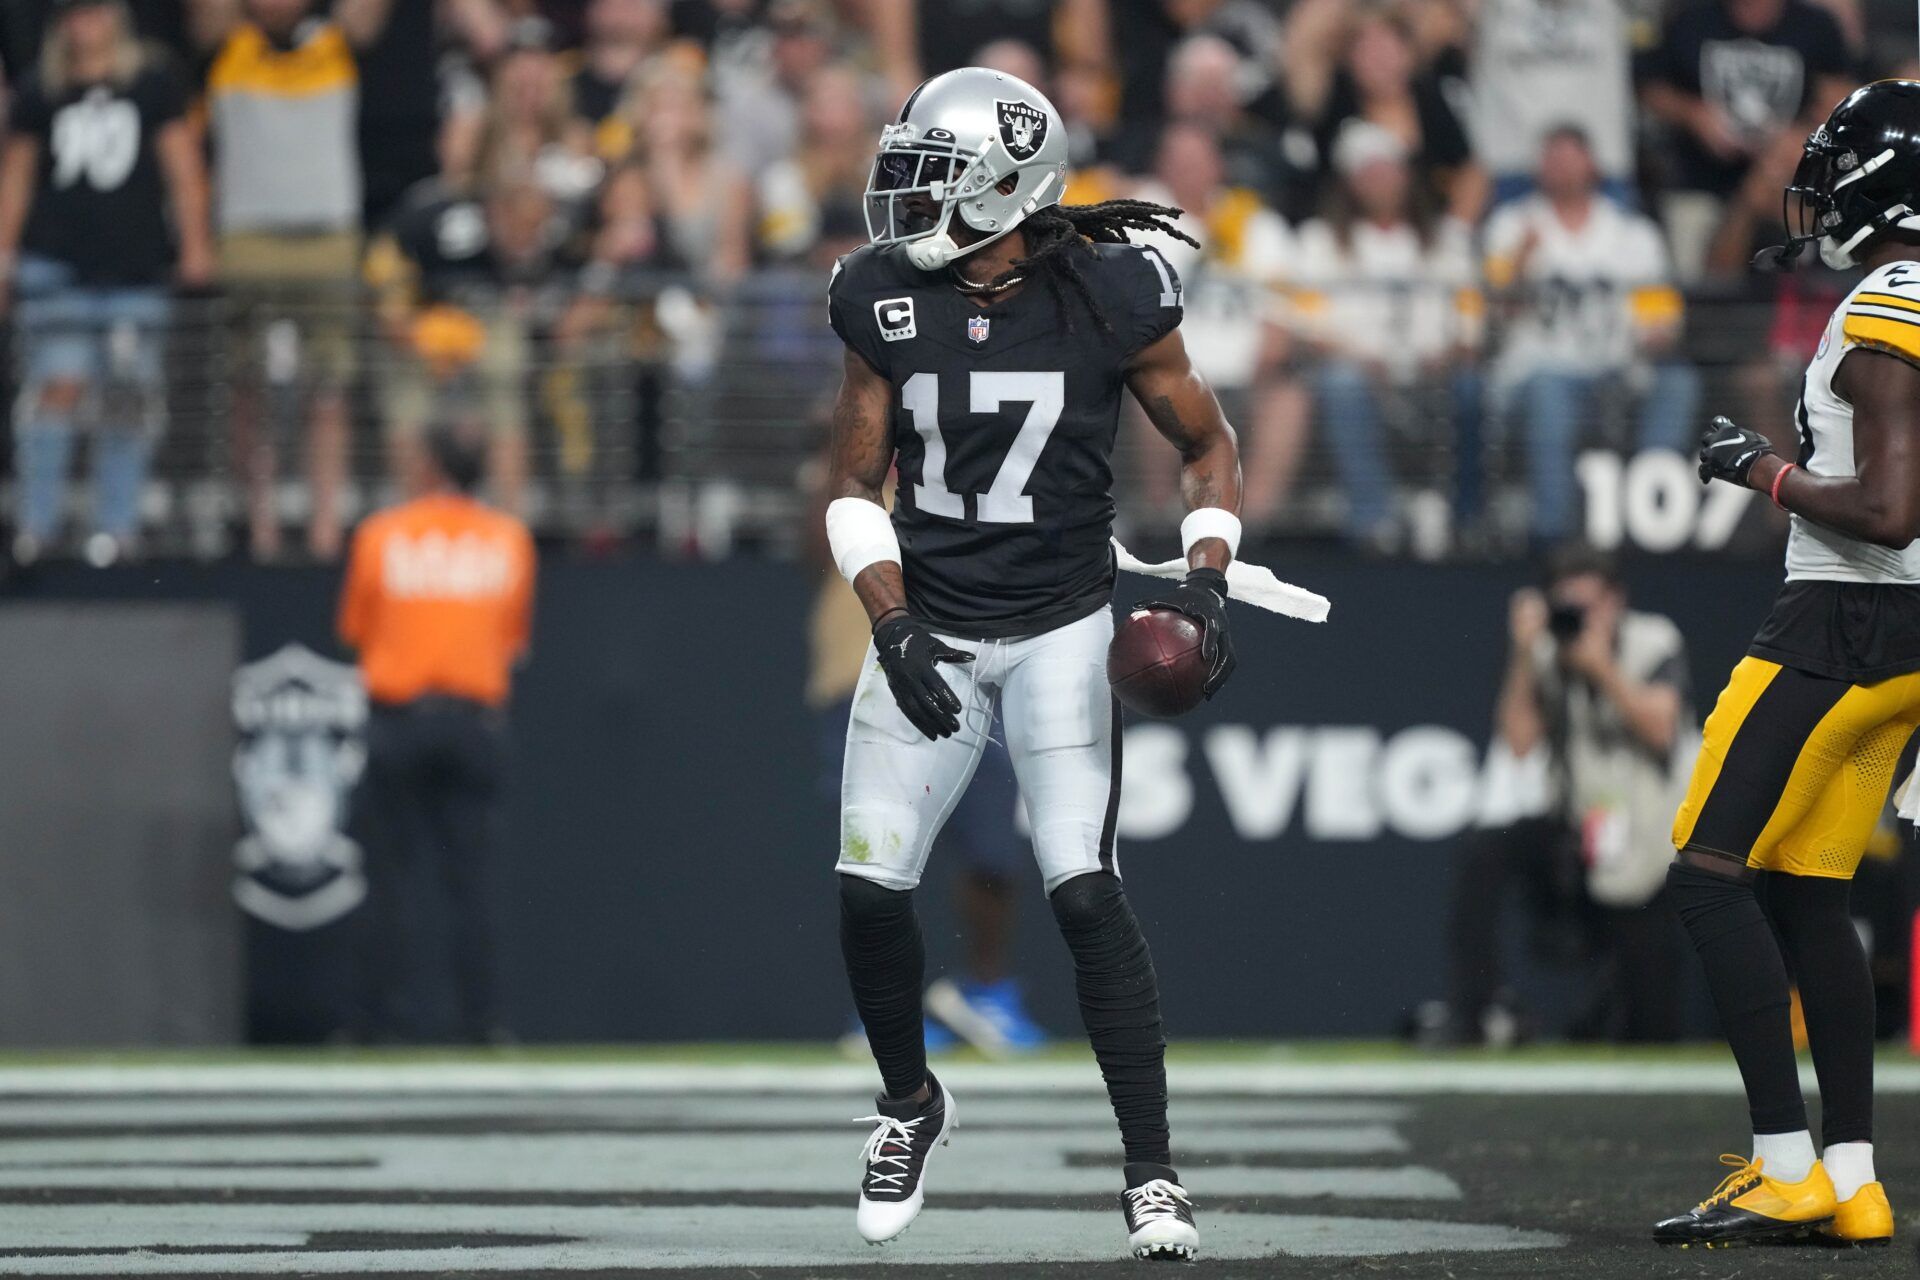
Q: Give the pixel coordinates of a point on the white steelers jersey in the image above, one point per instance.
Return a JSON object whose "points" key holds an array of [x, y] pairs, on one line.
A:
{"points": [[1882, 312]]}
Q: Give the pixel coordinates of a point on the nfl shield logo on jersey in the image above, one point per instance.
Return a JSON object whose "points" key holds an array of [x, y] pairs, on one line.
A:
{"points": [[977, 328], [1022, 128]]}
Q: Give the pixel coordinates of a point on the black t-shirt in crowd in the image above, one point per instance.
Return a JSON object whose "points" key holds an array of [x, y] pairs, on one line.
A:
{"points": [[1443, 138], [100, 202], [1760, 80], [445, 235], [1004, 423], [952, 31], [399, 110]]}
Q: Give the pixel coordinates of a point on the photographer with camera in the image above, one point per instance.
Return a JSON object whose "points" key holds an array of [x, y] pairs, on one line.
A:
{"points": [[1594, 705]]}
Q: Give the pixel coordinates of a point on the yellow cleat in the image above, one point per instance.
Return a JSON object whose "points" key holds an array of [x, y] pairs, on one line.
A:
{"points": [[1866, 1219], [1749, 1206]]}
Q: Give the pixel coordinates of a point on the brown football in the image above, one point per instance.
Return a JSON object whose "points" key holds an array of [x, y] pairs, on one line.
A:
{"points": [[1154, 663]]}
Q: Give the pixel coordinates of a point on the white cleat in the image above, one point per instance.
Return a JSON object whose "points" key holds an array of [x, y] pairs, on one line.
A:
{"points": [[1160, 1222], [896, 1158]]}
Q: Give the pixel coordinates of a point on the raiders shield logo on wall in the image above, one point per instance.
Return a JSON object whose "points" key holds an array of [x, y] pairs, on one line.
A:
{"points": [[301, 721], [1022, 128]]}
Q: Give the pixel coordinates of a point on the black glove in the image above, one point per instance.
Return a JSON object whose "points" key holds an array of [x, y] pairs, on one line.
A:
{"points": [[910, 654], [1728, 452], [1202, 596]]}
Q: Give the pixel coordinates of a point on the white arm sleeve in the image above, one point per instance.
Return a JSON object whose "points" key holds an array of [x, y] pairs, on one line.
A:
{"points": [[861, 534]]}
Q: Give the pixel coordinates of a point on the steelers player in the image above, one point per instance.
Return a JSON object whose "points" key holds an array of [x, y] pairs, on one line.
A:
{"points": [[989, 334], [1800, 751]]}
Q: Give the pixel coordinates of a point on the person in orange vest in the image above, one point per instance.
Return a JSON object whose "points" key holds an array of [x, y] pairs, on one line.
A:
{"points": [[438, 603]]}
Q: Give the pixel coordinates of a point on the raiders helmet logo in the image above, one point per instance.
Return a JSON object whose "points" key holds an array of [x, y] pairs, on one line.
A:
{"points": [[1023, 129]]}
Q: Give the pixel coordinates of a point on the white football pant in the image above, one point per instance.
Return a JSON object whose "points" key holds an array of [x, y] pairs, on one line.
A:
{"points": [[897, 786]]}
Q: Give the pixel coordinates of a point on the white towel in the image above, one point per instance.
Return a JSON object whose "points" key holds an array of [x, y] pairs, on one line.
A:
{"points": [[1906, 800], [1252, 583]]}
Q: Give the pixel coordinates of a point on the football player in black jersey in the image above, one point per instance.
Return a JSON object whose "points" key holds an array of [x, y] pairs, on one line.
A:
{"points": [[989, 334]]}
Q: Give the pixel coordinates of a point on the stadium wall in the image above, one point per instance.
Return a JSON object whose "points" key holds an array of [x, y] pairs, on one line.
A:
{"points": [[116, 800], [670, 824]]}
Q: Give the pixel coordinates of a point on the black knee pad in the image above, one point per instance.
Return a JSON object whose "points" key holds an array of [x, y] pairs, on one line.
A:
{"points": [[862, 901], [1086, 901]]}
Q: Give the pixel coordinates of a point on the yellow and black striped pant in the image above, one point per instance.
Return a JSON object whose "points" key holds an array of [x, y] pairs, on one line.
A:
{"points": [[1794, 769]]}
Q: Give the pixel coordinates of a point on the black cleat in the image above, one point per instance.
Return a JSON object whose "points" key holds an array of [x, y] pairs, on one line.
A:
{"points": [[895, 1159]]}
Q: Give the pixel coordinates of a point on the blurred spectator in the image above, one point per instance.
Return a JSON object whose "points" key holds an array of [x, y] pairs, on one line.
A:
{"points": [[622, 36], [811, 204], [283, 94], [1591, 316], [438, 603], [1600, 691], [1727, 76], [702, 204], [1148, 32], [1344, 68], [401, 105], [1083, 97], [1016, 58], [920, 39], [23, 28], [1204, 90], [1538, 64], [476, 292], [529, 125], [1386, 296], [1237, 323], [760, 85], [100, 173]]}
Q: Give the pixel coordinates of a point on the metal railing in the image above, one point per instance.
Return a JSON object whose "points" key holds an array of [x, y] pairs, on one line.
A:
{"points": [[681, 419]]}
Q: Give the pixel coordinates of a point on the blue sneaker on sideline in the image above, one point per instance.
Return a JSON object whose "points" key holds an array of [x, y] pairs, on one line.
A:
{"points": [[990, 1016], [853, 1041]]}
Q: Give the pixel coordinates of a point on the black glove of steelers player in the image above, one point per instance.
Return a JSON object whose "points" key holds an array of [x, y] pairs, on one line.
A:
{"points": [[910, 655], [1728, 452], [1202, 596]]}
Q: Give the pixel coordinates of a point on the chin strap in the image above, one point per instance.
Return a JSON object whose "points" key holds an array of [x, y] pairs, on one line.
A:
{"points": [[933, 252]]}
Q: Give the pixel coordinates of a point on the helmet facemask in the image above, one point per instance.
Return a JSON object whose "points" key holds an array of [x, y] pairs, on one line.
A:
{"points": [[922, 181], [913, 192], [1807, 207], [1812, 205]]}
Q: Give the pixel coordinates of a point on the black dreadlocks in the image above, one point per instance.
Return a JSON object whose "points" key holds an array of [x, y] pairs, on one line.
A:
{"points": [[1060, 235]]}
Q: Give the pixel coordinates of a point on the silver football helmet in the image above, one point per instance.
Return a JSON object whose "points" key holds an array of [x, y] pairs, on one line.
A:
{"points": [[959, 137]]}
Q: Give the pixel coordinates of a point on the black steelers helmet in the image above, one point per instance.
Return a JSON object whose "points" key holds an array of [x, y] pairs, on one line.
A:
{"points": [[1859, 176]]}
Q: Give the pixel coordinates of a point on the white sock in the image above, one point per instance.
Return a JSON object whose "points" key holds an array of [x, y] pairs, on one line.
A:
{"points": [[1850, 1165], [1786, 1156]]}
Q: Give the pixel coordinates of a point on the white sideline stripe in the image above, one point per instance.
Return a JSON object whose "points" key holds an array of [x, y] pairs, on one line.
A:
{"points": [[643, 1238], [707, 1112], [1072, 1163], [1333, 1078]]}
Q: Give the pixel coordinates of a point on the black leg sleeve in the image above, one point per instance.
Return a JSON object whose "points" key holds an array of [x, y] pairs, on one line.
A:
{"points": [[1836, 991], [886, 967], [1748, 979], [1120, 1004]]}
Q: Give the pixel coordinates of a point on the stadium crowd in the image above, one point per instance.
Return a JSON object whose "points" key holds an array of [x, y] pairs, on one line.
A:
{"points": [[1447, 243]]}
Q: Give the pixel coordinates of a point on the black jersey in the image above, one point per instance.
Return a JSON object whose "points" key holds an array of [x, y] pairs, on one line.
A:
{"points": [[100, 204], [1003, 427]]}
